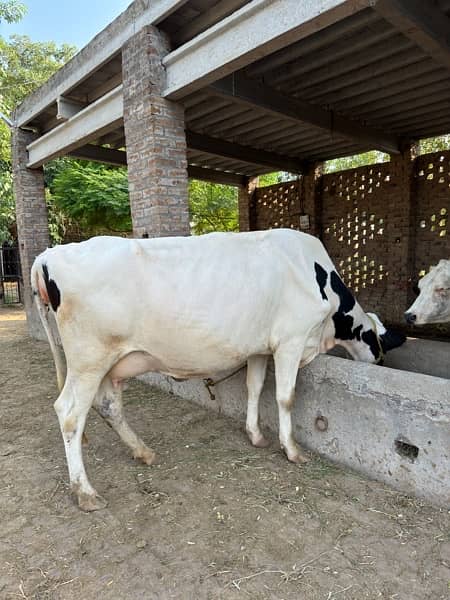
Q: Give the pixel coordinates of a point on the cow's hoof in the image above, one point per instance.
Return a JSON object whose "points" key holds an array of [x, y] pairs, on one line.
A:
{"points": [[298, 458], [147, 456], [91, 502], [258, 440], [295, 455]]}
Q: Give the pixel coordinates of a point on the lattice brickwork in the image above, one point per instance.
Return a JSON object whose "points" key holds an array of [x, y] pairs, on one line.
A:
{"points": [[278, 205], [432, 178], [356, 231], [383, 225]]}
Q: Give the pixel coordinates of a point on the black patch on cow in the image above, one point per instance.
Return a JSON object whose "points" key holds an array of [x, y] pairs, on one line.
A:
{"points": [[321, 278], [347, 301], [52, 289], [343, 323], [391, 339], [343, 326], [370, 338], [357, 332]]}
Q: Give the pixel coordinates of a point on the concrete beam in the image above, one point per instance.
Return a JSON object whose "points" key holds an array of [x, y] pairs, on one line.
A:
{"points": [[215, 176], [93, 121], [244, 37], [253, 93], [214, 14], [421, 22], [65, 108], [119, 158], [99, 50], [100, 154], [246, 154]]}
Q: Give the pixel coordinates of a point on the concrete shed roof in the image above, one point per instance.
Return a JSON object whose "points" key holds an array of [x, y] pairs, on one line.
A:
{"points": [[266, 85]]}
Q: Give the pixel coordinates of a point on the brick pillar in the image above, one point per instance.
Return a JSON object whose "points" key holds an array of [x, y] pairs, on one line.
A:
{"points": [[32, 220], [155, 140], [311, 198], [245, 196], [401, 236]]}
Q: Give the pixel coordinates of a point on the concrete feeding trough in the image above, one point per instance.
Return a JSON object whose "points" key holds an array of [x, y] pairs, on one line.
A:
{"points": [[390, 424]]}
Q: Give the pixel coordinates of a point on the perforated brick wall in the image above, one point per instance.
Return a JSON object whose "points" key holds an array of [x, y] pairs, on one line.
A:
{"points": [[432, 183], [383, 225], [358, 231], [277, 206]]}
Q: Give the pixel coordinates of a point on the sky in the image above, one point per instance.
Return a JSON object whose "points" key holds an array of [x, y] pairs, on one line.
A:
{"points": [[73, 21]]}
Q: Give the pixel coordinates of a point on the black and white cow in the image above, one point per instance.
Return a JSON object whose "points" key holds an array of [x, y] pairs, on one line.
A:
{"points": [[192, 307]]}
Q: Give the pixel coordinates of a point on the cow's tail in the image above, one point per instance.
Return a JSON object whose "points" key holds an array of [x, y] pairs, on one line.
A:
{"points": [[41, 299]]}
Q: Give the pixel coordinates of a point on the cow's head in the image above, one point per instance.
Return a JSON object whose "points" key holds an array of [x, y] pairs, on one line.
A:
{"points": [[362, 334], [373, 340], [433, 303]]}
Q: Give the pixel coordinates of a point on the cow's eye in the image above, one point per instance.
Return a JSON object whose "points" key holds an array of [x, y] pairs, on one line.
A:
{"points": [[442, 290]]}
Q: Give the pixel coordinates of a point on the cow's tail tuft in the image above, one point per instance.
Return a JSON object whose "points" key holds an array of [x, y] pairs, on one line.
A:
{"points": [[40, 294]]}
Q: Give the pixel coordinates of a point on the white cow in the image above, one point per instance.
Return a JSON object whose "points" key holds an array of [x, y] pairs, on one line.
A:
{"points": [[433, 303], [192, 307]]}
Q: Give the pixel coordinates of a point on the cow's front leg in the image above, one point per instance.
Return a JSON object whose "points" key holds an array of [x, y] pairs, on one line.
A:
{"points": [[287, 359], [72, 407], [108, 403], [256, 374]]}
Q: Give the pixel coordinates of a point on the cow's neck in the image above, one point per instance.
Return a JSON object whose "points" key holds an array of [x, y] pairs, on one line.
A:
{"points": [[353, 330]]}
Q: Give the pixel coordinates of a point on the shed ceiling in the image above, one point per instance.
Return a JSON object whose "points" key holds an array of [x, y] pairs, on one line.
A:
{"points": [[368, 72]]}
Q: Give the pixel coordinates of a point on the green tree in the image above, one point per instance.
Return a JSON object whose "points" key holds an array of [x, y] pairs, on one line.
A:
{"points": [[7, 211], [24, 66], [434, 144], [357, 160], [12, 11], [275, 177], [213, 207], [93, 195]]}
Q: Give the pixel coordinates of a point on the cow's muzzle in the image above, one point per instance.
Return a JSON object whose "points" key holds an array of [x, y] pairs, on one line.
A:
{"points": [[410, 318]]}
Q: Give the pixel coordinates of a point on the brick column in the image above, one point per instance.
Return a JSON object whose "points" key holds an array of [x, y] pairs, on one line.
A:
{"points": [[311, 198], [245, 195], [155, 140], [32, 220], [401, 236]]}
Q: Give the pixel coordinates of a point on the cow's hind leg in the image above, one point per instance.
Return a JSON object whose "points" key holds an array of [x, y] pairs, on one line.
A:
{"points": [[72, 407], [256, 374], [108, 403], [287, 360]]}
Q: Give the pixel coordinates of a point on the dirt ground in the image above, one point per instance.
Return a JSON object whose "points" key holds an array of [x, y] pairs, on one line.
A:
{"points": [[215, 519]]}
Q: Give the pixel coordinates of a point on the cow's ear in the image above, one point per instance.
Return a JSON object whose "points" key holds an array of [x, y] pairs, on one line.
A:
{"points": [[392, 339]]}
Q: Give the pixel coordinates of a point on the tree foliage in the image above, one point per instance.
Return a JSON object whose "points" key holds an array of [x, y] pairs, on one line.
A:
{"points": [[357, 160], [24, 66], [12, 11], [434, 144], [213, 207], [7, 211], [94, 195]]}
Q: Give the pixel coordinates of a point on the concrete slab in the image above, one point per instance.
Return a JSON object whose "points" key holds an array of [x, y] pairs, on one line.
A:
{"points": [[428, 357], [421, 356]]}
